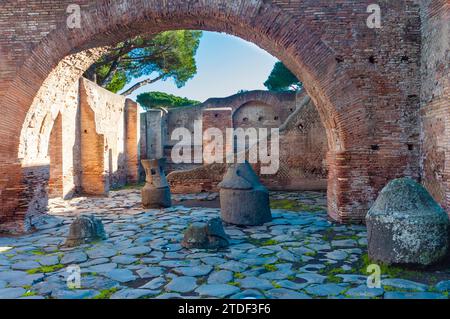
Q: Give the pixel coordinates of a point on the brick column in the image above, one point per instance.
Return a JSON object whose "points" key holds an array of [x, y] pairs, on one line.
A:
{"points": [[55, 183], [132, 132], [94, 179]]}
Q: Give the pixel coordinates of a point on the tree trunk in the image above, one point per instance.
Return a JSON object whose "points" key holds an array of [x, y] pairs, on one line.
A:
{"points": [[90, 74], [111, 72], [141, 84]]}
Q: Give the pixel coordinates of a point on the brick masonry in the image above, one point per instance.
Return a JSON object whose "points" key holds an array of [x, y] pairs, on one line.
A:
{"points": [[367, 84], [303, 145], [435, 99], [55, 183]]}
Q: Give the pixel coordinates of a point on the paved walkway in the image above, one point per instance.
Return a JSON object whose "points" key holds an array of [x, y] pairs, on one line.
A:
{"points": [[300, 254]]}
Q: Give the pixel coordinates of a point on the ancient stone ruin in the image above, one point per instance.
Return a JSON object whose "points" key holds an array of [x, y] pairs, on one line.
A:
{"points": [[243, 199], [406, 226], [210, 235], [156, 192], [85, 229], [302, 148], [373, 108]]}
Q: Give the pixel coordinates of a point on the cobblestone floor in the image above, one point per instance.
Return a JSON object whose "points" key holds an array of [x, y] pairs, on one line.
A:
{"points": [[300, 254]]}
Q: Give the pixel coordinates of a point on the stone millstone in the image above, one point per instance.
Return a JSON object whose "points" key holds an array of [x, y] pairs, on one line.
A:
{"points": [[210, 235], [406, 226], [243, 199], [85, 229], [156, 192]]}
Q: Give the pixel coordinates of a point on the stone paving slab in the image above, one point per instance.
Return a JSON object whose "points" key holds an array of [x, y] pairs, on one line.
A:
{"points": [[299, 255]]}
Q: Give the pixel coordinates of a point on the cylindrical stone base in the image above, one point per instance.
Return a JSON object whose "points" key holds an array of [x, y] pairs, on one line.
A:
{"points": [[156, 197], [245, 207]]}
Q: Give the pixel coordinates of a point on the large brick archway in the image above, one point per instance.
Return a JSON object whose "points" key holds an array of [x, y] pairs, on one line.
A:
{"points": [[331, 64]]}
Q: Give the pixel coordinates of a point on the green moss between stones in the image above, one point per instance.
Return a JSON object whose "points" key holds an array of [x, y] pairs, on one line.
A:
{"points": [[310, 254], [345, 237], [334, 279], [106, 293], [238, 275], [390, 271], [38, 252], [45, 269], [270, 267], [269, 242], [293, 205], [276, 285], [291, 278], [29, 294]]}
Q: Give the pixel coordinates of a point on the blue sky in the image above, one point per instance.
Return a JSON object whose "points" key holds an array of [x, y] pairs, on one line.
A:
{"points": [[226, 64]]}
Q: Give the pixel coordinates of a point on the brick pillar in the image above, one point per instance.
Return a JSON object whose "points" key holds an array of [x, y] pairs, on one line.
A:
{"points": [[132, 132], [55, 152], [220, 118], [12, 206], [94, 178]]}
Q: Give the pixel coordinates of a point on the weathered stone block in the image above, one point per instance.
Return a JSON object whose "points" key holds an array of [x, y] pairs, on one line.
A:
{"points": [[406, 226], [210, 235], [85, 229], [243, 199]]}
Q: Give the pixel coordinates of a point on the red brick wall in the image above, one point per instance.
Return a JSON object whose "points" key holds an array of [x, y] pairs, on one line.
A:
{"points": [[303, 150]]}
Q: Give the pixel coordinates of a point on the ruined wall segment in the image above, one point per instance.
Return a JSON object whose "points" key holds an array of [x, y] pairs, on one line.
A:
{"points": [[94, 179], [55, 184], [105, 118], [303, 149], [435, 99], [160, 125]]}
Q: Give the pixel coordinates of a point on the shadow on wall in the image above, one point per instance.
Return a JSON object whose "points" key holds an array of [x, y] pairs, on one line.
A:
{"points": [[32, 199]]}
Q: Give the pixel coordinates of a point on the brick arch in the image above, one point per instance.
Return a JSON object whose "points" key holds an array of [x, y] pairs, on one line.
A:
{"points": [[290, 39]]}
